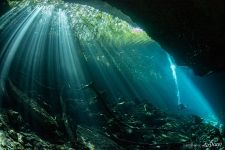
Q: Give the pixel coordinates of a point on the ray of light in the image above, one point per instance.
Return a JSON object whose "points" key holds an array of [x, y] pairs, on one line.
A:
{"points": [[173, 69], [11, 46], [60, 47]]}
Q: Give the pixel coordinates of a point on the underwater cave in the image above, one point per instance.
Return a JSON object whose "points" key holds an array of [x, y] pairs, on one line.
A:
{"points": [[90, 75]]}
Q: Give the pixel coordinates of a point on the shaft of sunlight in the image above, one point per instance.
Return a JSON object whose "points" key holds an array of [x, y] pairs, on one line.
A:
{"points": [[173, 69], [11, 47]]}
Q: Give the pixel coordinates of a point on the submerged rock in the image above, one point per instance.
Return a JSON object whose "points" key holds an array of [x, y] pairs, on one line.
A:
{"points": [[141, 127], [38, 118], [13, 138], [94, 140]]}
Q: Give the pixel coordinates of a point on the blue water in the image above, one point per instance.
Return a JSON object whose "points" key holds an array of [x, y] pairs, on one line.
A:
{"points": [[46, 47]]}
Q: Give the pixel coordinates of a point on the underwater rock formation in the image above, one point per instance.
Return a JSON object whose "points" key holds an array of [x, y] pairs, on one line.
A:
{"points": [[94, 139], [16, 134], [132, 126], [193, 32], [31, 111]]}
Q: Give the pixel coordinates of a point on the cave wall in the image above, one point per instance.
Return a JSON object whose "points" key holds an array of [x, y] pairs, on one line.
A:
{"points": [[193, 31]]}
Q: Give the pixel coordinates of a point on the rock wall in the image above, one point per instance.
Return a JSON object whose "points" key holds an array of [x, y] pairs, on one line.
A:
{"points": [[192, 31]]}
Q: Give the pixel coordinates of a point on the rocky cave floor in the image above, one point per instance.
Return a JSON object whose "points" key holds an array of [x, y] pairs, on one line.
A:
{"points": [[127, 125]]}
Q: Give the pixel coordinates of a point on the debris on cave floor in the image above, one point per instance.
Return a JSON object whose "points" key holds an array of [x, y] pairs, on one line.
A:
{"points": [[16, 135], [134, 132], [125, 125], [24, 138], [147, 127], [95, 140], [159, 128]]}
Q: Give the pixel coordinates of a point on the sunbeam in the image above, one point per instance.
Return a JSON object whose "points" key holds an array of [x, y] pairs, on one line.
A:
{"points": [[173, 69]]}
